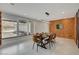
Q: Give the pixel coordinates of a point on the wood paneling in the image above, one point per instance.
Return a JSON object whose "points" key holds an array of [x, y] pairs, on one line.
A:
{"points": [[0, 28], [68, 27]]}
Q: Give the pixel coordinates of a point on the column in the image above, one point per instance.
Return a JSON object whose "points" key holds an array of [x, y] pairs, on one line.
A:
{"points": [[0, 30], [17, 30], [27, 27], [77, 28], [32, 27]]}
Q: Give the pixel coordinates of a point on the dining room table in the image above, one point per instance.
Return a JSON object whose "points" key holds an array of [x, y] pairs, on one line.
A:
{"points": [[43, 40]]}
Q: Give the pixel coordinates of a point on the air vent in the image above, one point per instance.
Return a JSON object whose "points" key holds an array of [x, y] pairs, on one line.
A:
{"points": [[12, 4], [47, 13]]}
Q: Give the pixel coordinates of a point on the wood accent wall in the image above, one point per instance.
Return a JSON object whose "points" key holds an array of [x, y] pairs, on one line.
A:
{"points": [[68, 30], [0, 28]]}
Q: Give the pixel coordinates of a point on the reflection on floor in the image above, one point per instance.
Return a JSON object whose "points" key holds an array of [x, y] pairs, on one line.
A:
{"points": [[23, 46], [8, 34]]}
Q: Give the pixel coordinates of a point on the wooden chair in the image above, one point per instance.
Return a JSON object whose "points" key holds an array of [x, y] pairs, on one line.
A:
{"points": [[48, 41], [36, 41], [53, 38]]}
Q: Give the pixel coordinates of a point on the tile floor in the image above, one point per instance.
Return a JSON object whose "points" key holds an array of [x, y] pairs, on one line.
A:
{"points": [[23, 46]]}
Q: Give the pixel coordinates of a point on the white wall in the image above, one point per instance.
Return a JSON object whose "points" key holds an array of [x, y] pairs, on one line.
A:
{"points": [[38, 26]]}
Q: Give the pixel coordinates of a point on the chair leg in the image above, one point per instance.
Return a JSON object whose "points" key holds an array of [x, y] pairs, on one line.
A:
{"points": [[54, 41], [37, 47], [33, 45], [52, 44], [49, 45]]}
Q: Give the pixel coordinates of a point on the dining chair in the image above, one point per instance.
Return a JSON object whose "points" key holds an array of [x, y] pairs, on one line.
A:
{"points": [[36, 41], [48, 41], [53, 38]]}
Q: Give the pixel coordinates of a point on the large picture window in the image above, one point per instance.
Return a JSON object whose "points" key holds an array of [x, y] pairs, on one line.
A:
{"points": [[8, 29], [17, 28]]}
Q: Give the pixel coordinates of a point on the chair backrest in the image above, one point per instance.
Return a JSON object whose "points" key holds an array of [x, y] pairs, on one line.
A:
{"points": [[50, 38], [54, 36], [35, 39]]}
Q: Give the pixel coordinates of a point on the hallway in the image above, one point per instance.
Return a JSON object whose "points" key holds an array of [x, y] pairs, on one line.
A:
{"points": [[23, 46]]}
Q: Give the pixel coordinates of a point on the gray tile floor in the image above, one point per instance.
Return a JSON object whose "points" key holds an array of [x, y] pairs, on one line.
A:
{"points": [[23, 46]]}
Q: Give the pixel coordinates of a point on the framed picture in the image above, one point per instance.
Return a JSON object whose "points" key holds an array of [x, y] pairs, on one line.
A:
{"points": [[59, 26]]}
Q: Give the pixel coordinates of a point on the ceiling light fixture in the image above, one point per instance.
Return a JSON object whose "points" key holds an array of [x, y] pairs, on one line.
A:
{"points": [[63, 12]]}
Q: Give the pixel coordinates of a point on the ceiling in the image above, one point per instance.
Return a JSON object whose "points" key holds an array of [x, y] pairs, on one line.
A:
{"points": [[37, 10]]}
